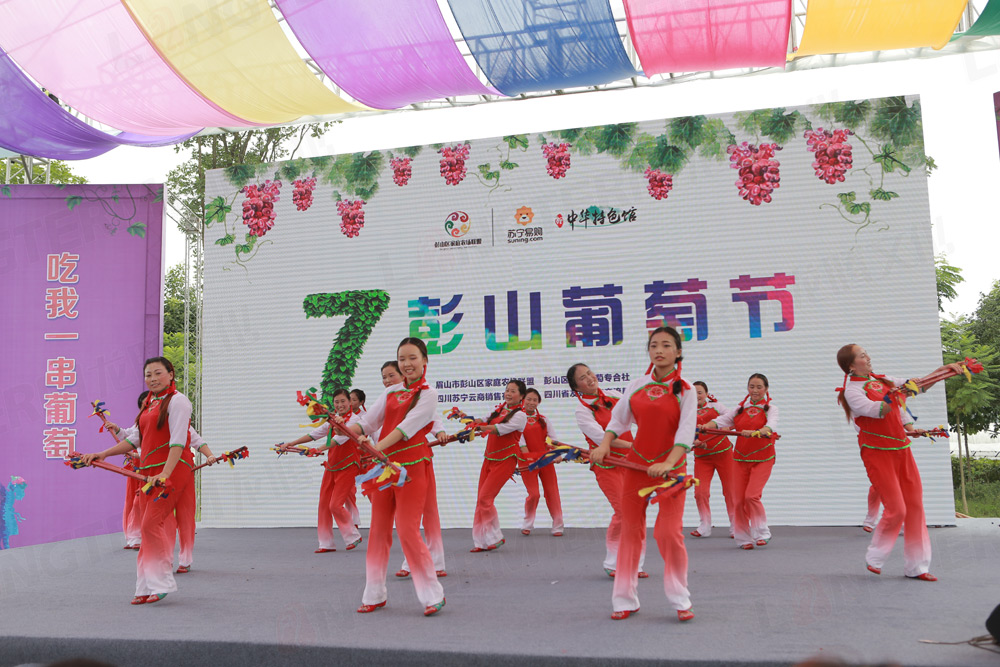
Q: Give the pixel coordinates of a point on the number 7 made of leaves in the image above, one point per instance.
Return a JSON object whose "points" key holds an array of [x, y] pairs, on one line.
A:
{"points": [[364, 308]]}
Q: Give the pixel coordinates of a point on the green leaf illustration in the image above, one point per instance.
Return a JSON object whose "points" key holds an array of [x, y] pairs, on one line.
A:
{"points": [[517, 141], [886, 158], [137, 229], [780, 126], [216, 211], [5, 190], [239, 175], [717, 138], [507, 164], [411, 151], [896, 122], [225, 240], [614, 139], [159, 194], [852, 206], [642, 151], [882, 195], [667, 157], [688, 130], [72, 201]]}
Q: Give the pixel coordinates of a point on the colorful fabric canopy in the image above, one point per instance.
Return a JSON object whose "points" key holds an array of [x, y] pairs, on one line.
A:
{"points": [[988, 22], [525, 47], [697, 35], [33, 124], [234, 53], [845, 26], [93, 57], [408, 54]]}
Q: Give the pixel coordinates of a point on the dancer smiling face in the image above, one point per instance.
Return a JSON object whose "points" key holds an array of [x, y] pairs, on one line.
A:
{"points": [[342, 403], [412, 361], [757, 387], [391, 374], [585, 381], [157, 376], [513, 395], [664, 350], [862, 364], [702, 395], [531, 401]]}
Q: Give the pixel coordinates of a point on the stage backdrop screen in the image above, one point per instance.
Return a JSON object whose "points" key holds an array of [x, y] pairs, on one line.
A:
{"points": [[81, 273], [770, 238]]}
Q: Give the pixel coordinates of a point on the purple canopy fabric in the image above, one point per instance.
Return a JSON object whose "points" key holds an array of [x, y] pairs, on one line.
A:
{"points": [[91, 54], [384, 53], [33, 124]]}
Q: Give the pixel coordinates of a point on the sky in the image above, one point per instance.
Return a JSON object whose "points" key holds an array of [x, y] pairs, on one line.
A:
{"points": [[959, 128]]}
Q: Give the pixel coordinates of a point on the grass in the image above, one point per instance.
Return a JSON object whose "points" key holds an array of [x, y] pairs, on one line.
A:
{"points": [[983, 497]]}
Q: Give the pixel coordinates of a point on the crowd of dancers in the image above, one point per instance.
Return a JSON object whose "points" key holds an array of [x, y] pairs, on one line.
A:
{"points": [[635, 438]]}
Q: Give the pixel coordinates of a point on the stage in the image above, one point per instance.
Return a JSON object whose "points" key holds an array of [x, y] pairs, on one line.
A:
{"points": [[260, 596]]}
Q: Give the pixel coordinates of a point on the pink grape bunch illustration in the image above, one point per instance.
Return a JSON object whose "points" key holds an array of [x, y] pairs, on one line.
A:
{"points": [[302, 194], [401, 170], [833, 153], [758, 170], [352, 216], [557, 156], [453, 163], [258, 207], [660, 183]]}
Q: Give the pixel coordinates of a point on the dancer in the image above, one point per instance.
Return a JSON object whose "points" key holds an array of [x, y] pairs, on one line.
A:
{"points": [[337, 488], [592, 416], [505, 427], [753, 459], [163, 436], [357, 401], [665, 410], [403, 416], [430, 520], [885, 450], [538, 428], [713, 454]]}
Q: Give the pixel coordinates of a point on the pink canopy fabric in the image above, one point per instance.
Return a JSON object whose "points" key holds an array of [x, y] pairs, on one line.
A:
{"points": [[699, 35], [92, 56], [407, 53]]}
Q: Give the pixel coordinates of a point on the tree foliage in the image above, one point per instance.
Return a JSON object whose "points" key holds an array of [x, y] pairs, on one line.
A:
{"points": [[972, 406], [20, 174], [948, 277], [986, 319]]}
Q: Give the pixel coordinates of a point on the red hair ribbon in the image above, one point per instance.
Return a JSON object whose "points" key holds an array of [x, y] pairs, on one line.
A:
{"points": [[841, 389]]}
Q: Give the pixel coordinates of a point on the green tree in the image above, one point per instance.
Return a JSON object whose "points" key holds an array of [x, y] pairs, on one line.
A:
{"points": [[986, 319], [27, 170], [948, 277], [174, 297]]}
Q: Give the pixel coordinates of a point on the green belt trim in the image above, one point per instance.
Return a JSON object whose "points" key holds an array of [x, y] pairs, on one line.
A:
{"points": [[887, 437], [510, 456], [770, 458], [154, 465], [397, 451], [721, 451], [405, 437], [887, 449], [426, 458], [157, 449], [345, 467], [650, 461]]}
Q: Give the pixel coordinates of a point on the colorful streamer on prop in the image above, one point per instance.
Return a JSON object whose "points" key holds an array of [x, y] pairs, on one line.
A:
{"points": [[282, 448], [228, 457], [916, 386], [668, 488], [149, 485], [720, 431]]}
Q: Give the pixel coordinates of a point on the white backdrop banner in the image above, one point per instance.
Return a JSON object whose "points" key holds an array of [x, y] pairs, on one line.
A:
{"points": [[769, 238]]}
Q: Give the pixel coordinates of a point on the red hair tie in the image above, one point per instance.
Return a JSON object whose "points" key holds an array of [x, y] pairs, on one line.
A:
{"points": [[841, 389]]}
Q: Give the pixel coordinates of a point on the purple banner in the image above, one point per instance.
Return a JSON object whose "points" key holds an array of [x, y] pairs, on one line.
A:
{"points": [[81, 271]]}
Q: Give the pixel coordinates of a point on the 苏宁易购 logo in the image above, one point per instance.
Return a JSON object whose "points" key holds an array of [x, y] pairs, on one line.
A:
{"points": [[523, 216]]}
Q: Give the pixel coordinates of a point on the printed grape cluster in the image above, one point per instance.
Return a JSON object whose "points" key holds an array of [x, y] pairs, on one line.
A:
{"points": [[302, 194], [258, 207], [453, 163], [557, 156], [758, 170], [833, 153], [401, 170], [660, 184], [352, 216]]}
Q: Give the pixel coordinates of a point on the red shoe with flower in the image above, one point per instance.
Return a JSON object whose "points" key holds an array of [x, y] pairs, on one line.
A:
{"points": [[369, 608], [622, 615]]}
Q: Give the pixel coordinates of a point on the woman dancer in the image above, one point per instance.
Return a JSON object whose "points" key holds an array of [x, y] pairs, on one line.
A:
{"points": [[163, 437], [403, 416], [592, 416], [753, 459], [357, 401], [665, 409], [713, 454], [885, 450], [537, 430], [506, 438], [337, 488]]}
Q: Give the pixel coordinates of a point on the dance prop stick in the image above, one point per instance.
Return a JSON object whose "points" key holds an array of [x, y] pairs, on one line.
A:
{"points": [[719, 431], [282, 448], [228, 457], [384, 474], [75, 461], [566, 453], [471, 423], [930, 434], [101, 412], [916, 386]]}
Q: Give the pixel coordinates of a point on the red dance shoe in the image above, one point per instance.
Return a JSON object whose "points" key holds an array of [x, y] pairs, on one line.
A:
{"points": [[867, 529], [643, 575], [476, 550], [695, 533], [434, 608], [609, 572], [321, 550], [926, 576], [139, 599], [685, 614], [441, 573], [762, 543], [183, 569], [525, 531], [354, 544], [873, 569], [135, 547], [496, 546], [558, 533], [155, 597], [746, 547], [127, 546], [403, 574], [622, 615], [369, 608]]}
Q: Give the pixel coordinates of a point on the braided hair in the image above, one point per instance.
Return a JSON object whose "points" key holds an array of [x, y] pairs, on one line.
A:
{"points": [[541, 419], [521, 389], [602, 398]]}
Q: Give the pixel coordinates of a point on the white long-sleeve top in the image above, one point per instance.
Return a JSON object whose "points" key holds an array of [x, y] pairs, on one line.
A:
{"points": [[725, 421], [178, 421], [622, 417], [417, 418], [586, 421], [862, 406]]}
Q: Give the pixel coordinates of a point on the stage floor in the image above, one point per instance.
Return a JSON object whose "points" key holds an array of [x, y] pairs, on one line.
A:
{"points": [[260, 596]]}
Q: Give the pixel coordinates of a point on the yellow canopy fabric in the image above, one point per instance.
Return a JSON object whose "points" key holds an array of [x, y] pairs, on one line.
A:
{"points": [[847, 26], [234, 53]]}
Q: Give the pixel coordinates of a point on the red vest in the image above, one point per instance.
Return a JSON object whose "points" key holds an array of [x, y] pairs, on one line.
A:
{"points": [[884, 433], [415, 448], [155, 442], [535, 433], [657, 413], [714, 444], [342, 456], [502, 447], [752, 450], [602, 415]]}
